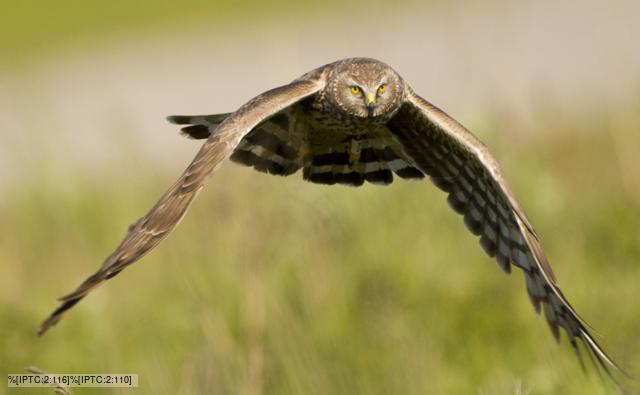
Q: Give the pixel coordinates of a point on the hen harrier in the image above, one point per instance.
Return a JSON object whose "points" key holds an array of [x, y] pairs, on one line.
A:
{"points": [[348, 122]]}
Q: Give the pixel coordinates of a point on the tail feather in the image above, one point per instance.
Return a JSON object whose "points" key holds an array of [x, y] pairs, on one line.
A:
{"points": [[358, 159]]}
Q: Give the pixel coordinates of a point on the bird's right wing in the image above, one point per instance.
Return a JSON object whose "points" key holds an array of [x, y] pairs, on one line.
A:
{"points": [[155, 226]]}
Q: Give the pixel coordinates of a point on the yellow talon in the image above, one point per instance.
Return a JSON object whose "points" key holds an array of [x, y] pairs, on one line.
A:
{"points": [[354, 157], [354, 153], [303, 153]]}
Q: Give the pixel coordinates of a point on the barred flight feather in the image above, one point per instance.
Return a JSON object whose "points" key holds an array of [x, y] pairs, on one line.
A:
{"points": [[477, 191], [200, 126]]}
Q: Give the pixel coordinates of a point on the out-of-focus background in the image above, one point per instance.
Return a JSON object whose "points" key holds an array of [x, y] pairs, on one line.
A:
{"points": [[273, 285]]}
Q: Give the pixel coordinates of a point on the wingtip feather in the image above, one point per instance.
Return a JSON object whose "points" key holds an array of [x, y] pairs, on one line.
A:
{"points": [[180, 119]]}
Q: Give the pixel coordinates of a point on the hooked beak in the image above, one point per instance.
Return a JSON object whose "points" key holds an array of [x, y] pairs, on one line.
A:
{"points": [[371, 102]]}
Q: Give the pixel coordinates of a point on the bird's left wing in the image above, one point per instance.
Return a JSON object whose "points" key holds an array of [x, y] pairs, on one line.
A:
{"points": [[150, 230], [458, 163]]}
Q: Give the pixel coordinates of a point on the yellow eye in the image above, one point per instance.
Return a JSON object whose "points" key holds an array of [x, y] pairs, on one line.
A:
{"points": [[355, 90], [382, 88]]}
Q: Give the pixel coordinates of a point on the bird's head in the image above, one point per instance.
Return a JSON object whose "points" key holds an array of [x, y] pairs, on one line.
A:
{"points": [[365, 87]]}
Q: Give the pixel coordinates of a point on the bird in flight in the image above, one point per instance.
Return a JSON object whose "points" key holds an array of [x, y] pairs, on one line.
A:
{"points": [[349, 122]]}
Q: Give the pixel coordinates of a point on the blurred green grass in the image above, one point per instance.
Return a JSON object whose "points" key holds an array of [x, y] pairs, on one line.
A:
{"points": [[273, 285], [32, 26]]}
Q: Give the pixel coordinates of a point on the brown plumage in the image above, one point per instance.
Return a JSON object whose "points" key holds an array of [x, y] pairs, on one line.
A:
{"points": [[349, 122]]}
